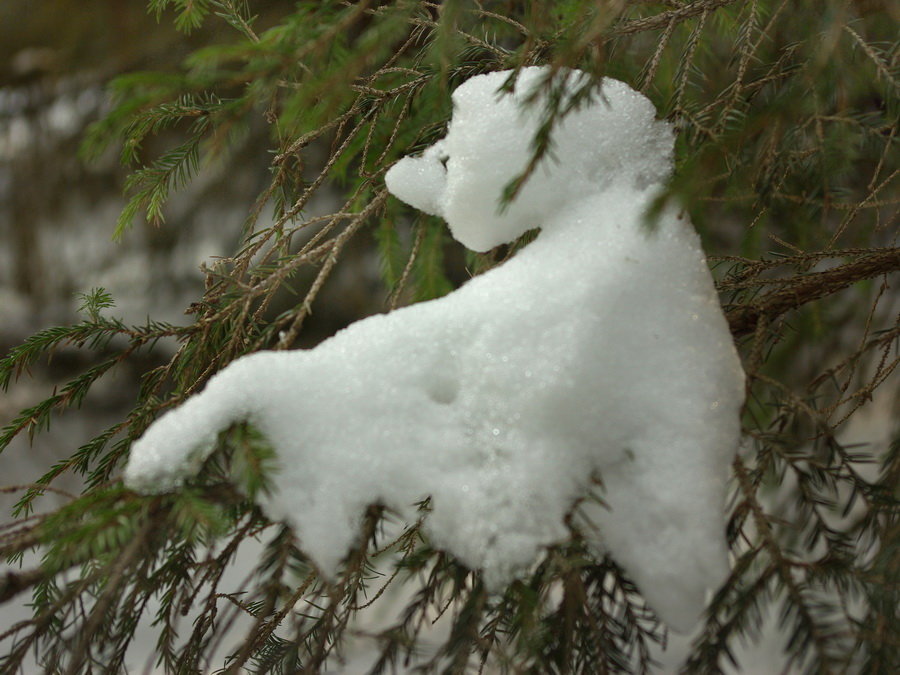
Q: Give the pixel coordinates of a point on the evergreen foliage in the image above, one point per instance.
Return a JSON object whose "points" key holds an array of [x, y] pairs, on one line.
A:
{"points": [[787, 162]]}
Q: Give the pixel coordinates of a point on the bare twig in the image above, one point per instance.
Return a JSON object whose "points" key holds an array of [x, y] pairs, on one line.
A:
{"points": [[803, 289]]}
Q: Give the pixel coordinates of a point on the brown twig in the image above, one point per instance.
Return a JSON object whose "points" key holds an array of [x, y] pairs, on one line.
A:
{"points": [[662, 19], [14, 583], [806, 288]]}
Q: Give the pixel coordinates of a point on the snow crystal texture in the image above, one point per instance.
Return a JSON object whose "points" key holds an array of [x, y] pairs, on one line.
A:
{"points": [[599, 350]]}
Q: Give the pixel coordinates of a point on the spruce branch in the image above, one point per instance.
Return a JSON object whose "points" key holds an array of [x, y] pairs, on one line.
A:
{"points": [[681, 13], [794, 292], [14, 583]]}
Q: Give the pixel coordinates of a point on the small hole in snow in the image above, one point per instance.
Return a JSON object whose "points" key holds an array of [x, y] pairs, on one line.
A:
{"points": [[442, 390]]}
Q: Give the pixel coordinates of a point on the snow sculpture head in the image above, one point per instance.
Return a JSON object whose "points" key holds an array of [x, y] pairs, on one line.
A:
{"points": [[488, 143], [600, 349]]}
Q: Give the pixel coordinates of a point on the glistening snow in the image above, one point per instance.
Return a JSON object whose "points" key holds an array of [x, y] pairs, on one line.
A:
{"points": [[600, 349]]}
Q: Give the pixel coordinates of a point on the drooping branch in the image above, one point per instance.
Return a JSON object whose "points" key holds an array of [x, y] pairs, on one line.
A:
{"points": [[802, 289]]}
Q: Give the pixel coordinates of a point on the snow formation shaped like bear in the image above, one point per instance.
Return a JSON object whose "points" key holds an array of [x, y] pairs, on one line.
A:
{"points": [[600, 349]]}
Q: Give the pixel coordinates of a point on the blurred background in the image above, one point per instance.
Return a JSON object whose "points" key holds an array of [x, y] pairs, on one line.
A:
{"points": [[58, 211]]}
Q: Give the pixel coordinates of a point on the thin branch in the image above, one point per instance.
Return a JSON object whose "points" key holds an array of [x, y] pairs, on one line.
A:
{"points": [[663, 19], [804, 289]]}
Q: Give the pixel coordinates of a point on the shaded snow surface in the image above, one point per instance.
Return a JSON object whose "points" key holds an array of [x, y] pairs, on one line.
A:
{"points": [[598, 350]]}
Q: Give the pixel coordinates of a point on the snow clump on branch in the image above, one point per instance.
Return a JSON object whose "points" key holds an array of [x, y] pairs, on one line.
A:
{"points": [[599, 351]]}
